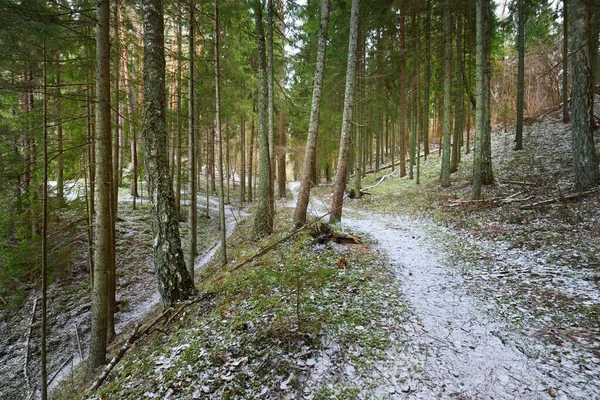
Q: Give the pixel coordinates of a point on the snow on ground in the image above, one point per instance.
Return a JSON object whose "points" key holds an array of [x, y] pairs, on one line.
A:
{"points": [[456, 346], [69, 306]]}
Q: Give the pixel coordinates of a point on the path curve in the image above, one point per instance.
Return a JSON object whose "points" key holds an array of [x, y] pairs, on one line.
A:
{"points": [[460, 350]]}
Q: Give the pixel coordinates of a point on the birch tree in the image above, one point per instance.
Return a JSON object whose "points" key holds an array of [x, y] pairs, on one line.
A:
{"points": [[342, 167], [313, 125], [174, 281]]}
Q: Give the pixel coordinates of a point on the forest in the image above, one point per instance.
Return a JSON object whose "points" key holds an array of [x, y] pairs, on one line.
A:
{"points": [[299, 199]]}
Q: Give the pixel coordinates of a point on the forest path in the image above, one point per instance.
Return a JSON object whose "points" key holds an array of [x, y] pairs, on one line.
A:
{"points": [[458, 349]]}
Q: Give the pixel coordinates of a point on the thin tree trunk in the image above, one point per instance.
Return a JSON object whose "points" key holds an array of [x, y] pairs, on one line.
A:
{"points": [[342, 167], [445, 175], [243, 157], [59, 135], [44, 355], [565, 62], [402, 111], [223, 227], [193, 215]]}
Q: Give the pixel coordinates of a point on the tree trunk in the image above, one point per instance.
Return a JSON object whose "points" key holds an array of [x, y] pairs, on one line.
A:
{"points": [[585, 161], [482, 161], [402, 111], [445, 175], [263, 221], [342, 167], [243, 157], [193, 215], [102, 235], [59, 135], [43, 350], [174, 281], [313, 125], [223, 227], [565, 62], [521, 75], [281, 173]]}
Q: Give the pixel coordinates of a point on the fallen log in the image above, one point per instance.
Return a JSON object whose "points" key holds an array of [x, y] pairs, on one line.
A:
{"points": [[573, 196]]}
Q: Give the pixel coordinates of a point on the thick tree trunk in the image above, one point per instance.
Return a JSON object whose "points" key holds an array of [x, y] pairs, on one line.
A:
{"points": [[482, 162], [585, 161], [102, 235], [313, 125], [174, 281], [263, 221], [342, 167]]}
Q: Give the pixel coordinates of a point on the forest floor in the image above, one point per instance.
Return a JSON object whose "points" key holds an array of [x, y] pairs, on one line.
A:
{"points": [[69, 304], [446, 298]]}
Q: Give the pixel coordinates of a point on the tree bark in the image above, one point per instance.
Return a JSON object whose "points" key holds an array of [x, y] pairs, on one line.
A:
{"points": [[342, 167], [174, 281], [482, 162], [223, 227], [313, 125], [565, 62], [402, 111], [263, 221], [102, 259], [193, 215], [585, 161], [521, 75], [445, 174]]}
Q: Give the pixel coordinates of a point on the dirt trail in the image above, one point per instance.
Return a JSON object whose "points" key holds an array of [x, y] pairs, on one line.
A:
{"points": [[458, 350]]}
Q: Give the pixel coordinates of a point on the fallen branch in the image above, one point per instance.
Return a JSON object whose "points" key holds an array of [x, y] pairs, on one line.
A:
{"points": [[573, 196], [380, 181], [25, 367], [78, 343], [132, 338], [496, 201], [264, 251], [60, 369], [517, 182]]}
